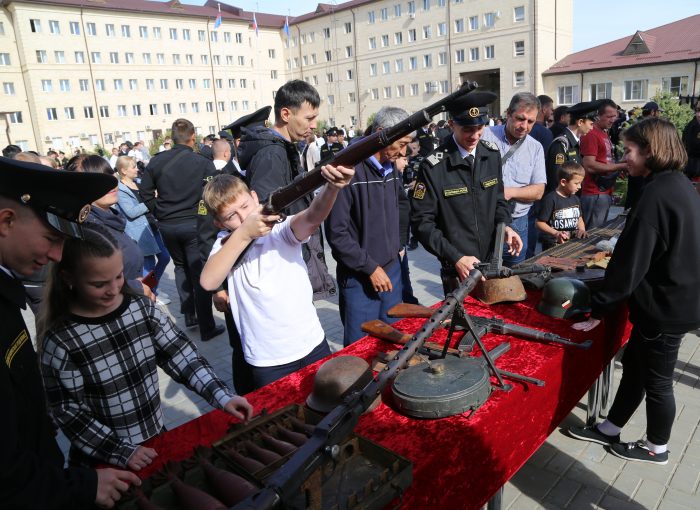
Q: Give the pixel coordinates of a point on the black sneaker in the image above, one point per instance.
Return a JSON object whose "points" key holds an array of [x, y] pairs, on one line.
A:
{"points": [[205, 337], [593, 435], [638, 452]]}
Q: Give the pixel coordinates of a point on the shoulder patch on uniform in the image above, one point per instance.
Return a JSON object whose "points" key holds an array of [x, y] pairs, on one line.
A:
{"points": [[202, 209], [419, 191], [489, 145], [15, 346], [559, 158], [434, 158]]}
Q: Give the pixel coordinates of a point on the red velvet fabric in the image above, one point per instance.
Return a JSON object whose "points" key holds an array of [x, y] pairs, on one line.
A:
{"points": [[460, 461]]}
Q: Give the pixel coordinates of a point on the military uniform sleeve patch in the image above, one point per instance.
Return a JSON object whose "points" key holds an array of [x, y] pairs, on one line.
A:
{"points": [[419, 191], [489, 145], [559, 158], [202, 209], [435, 158], [489, 183]]}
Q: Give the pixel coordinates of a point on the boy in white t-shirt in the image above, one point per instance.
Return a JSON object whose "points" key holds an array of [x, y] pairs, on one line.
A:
{"points": [[269, 293]]}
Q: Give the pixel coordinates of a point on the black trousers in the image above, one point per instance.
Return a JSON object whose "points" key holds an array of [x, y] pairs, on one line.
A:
{"points": [[647, 368], [266, 375], [181, 240]]}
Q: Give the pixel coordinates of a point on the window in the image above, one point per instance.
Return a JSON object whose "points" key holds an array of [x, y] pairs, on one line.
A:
{"points": [[400, 90], [414, 89], [412, 35], [109, 30], [328, 55], [519, 14], [136, 110], [234, 106], [166, 109], [370, 17], [182, 107], [386, 67], [100, 85], [442, 29], [519, 48], [229, 60], [46, 86], [304, 59], [96, 57], [146, 58], [444, 86], [113, 57], [372, 43], [129, 58], [5, 59], [635, 90], [271, 53], [121, 110], [108, 138], [216, 59], [427, 32], [351, 97], [189, 59], [194, 107], [54, 27], [519, 78], [160, 58], [473, 22], [87, 112], [459, 56], [163, 84], [243, 83], [273, 74], [375, 94], [347, 28], [398, 38], [91, 29], [239, 37], [214, 36], [398, 65], [329, 77], [126, 31], [315, 79], [79, 57], [64, 85], [8, 88], [489, 19], [133, 84], [397, 10], [327, 33], [568, 94], [156, 32], [2, 28], [60, 57], [35, 25], [192, 83], [204, 59], [675, 85], [209, 106], [427, 61], [373, 69], [244, 106], [51, 114], [143, 32], [412, 63], [411, 7], [313, 58], [153, 109], [179, 83], [150, 84], [104, 111], [489, 52], [41, 57], [186, 36], [218, 83], [15, 117], [173, 34], [442, 58], [473, 54], [459, 26], [206, 83], [387, 93], [74, 28], [348, 51], [227, 38], [601, 91], [348, 74]]}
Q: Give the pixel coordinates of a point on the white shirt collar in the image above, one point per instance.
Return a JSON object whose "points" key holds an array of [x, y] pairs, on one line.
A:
{"points": [[462, 151], [574, 135]]}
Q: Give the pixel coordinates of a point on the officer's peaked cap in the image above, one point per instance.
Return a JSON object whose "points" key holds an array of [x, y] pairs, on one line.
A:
{"points": [[471, 109]]}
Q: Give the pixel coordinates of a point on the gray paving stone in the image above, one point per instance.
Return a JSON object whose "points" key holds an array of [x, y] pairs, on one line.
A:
{"points": [[612, 503], [591, 474], [686, 479], [690, 501], [534, 482], [586, 499], [649, 493], [543, 455], [658, 474], [671, 505], [627, 484], [560, 463], [562, 493]]}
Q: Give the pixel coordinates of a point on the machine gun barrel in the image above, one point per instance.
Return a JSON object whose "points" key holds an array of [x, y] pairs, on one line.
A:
{"points": [[501, 327], [284, 484]]}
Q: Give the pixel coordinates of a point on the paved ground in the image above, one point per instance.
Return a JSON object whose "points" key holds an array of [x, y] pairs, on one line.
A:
{"points": [[563, 473]]}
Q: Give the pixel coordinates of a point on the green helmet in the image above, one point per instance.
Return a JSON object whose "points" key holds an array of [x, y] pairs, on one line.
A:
{"points": [[565, 298]]}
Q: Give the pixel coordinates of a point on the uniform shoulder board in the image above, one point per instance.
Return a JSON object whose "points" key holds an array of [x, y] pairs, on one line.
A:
{"points": [[563, 140], [489, 145], [435, 157]]}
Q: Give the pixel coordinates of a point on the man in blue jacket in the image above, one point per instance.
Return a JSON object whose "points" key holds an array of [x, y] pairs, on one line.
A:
{"points": [[363, 233]]}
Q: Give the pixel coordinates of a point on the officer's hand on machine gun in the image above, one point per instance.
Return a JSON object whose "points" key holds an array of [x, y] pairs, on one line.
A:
{"points": [[515, 244], [465, 265], [586, 325]]}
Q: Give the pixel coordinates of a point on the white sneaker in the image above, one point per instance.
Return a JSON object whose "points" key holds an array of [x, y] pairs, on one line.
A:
{"points": [[160, 300]]}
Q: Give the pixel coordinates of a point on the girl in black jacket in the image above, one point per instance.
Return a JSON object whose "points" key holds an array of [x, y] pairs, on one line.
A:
{"points": [[654, 267]]}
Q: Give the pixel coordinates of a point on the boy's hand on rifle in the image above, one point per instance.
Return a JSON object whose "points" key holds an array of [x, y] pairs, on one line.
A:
{"points": [[337, 176], [562, 237], [465, 265], [239, 407], [581, 233], [110, 485], [258, 224]]}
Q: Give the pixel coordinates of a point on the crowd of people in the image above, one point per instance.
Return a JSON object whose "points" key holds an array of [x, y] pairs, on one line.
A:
{"points": [[97, 232]]}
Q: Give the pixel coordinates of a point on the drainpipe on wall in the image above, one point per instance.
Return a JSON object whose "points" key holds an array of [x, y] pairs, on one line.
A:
{"points": [[92, 82]]}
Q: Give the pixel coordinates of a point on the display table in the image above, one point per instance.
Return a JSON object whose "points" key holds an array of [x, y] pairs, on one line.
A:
{"points": [[460, 461]]}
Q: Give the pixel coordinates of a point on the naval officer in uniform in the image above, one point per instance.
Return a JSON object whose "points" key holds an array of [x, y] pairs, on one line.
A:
{"points": [[458, 197]]}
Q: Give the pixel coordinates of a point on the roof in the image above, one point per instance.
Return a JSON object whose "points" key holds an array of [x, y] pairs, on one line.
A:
{"points": [[323, 9], [675, 42], [173, 7]]}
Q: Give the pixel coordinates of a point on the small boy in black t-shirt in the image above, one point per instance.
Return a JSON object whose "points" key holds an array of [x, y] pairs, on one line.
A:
{"points": [[560, 210]]}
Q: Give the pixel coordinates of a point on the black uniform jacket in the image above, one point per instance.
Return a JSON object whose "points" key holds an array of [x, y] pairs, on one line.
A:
{"points": [[31, 463], [563, 149], [454, 208]]}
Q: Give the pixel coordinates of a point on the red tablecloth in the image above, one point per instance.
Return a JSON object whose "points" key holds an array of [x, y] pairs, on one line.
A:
{"points": [[460, 461]]}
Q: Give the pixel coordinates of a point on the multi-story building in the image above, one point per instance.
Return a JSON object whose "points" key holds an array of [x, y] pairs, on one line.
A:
{"points": [[632, 69], [98, 72]]}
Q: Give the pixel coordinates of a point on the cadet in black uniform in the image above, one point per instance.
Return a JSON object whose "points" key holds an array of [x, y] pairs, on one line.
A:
{"points": [[38, 208], [426, 140], [332, 145], [565, 147], [458, 198]]}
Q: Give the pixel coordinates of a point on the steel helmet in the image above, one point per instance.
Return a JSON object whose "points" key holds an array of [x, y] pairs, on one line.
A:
{"points": [[337, 378], [565, 298], [499, 290]]}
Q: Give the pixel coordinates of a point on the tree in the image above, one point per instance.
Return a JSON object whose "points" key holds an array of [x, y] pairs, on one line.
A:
{"points": [[673, 110]]}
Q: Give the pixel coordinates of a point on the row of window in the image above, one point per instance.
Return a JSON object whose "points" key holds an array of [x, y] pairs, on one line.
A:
{"points": [[145, 32], [96, 58], [633, 90], [64, 85]]}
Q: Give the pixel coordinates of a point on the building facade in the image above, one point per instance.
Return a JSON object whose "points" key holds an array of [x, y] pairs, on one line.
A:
{"points": [[100, 72], [633, 69]]}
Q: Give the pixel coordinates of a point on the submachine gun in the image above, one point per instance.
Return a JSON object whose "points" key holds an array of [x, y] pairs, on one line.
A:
{"points": [[355, 153], [282, 486]]}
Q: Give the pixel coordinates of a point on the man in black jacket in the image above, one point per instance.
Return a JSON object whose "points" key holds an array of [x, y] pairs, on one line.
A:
{"points": [[178, 176], [39, 207], [271, 160]]}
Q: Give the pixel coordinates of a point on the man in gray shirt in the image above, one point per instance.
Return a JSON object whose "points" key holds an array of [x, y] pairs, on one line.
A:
{"points": [[524, 174]]}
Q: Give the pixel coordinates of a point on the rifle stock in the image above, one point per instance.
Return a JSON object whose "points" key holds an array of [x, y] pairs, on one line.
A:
{"points": [[408, 310], [383, 331]]}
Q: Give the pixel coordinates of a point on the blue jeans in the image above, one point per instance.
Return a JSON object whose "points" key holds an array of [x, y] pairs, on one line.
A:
{"points": [[594, 209], [358, 302], [520, 225], [149, 261], [266, 375], [532, 230]]}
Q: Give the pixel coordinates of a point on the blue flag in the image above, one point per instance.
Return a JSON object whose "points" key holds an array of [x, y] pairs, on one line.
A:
{"points": [[217, 23], [286, 26]]}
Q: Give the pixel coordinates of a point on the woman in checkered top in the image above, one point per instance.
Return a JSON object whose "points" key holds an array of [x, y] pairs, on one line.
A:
{"points": [[100, 345]]}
